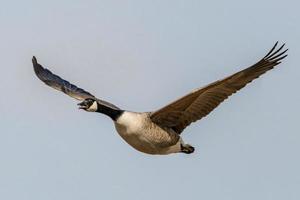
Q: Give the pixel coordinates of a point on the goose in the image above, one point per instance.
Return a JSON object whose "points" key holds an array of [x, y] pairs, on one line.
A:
{"points": [[159, 132]]}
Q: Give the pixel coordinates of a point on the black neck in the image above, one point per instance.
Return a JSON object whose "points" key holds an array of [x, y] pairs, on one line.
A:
{"points": [[112, 113]]}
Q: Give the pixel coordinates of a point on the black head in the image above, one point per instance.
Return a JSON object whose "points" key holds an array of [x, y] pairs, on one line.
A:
{"points": [[90, 105]]}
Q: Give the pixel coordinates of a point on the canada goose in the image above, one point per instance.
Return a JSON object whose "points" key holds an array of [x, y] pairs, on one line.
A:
{"points": [[159, 132]]}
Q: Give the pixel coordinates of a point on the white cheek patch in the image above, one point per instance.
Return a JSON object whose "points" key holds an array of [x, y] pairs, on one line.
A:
{"points": [[93, 107]]}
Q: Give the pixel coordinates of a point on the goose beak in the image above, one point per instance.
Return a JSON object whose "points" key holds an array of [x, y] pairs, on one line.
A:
{"points": [[82, 105]]}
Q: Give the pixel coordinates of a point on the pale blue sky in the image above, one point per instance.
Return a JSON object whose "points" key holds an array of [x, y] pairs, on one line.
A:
{"points": [[141, 55]]}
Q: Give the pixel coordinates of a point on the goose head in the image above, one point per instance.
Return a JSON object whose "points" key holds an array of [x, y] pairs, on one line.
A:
{"points": [[90, 105]]}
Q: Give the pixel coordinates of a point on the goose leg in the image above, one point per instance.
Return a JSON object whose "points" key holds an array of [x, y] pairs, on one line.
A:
{"points": [[186, 148]]}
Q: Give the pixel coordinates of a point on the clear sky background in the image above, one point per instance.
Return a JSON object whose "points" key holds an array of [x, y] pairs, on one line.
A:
{"points": [[140, 55]]}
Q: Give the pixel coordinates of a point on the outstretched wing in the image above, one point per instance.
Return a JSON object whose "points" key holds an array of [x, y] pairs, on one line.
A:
{"points": [[58, 83], [196, 105], [62, 85]]}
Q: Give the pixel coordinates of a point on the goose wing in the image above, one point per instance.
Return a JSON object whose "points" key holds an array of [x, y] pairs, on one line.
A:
{"points": [[201, 102], [62, 85]]}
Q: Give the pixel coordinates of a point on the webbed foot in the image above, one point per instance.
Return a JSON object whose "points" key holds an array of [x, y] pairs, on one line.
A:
{"points": [[186, 148]]}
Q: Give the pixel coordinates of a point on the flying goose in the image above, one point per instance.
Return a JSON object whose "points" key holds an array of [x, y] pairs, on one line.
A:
{"points": [[159, 132]]}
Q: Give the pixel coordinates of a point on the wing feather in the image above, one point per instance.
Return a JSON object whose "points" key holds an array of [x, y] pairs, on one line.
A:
{"points": [[199, 103], [64, 86]]}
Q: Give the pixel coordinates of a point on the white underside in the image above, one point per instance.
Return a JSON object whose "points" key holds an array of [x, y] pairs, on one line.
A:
{"points": [[143, 135]]}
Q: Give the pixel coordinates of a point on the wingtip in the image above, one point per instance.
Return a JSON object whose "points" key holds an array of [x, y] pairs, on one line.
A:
{"points": [[275, 52], [34, 60], [36, 66]]}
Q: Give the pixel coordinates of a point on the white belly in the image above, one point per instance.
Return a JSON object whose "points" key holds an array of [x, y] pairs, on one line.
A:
{"points": [[139, 132]]}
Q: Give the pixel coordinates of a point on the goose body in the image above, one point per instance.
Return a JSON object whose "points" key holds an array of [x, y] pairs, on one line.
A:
{"points": [[141, 133], [159, 132]]}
